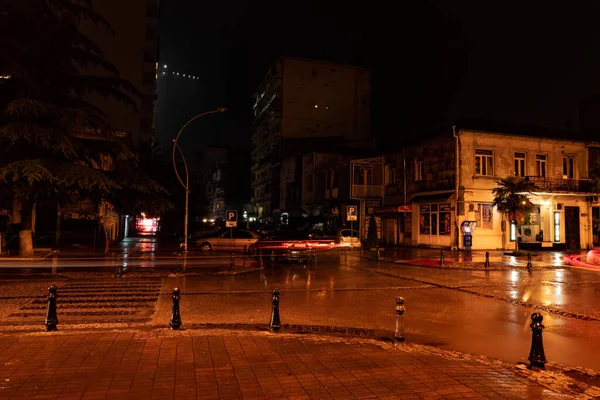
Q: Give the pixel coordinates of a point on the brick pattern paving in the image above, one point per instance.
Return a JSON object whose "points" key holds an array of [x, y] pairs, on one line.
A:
{"points": [[181, 366]]}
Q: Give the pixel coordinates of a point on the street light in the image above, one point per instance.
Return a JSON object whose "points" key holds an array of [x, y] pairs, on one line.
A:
{"points": [[186, 185]]}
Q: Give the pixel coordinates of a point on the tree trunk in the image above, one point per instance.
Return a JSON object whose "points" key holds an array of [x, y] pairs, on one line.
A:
{"points": [[25, 234]]}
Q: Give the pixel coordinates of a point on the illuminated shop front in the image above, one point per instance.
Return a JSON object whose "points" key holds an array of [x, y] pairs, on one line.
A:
{"points": [[435, 224]]}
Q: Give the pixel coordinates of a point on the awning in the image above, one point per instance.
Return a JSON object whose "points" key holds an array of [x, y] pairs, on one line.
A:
{"points": [[426, 198], [394, 209]]}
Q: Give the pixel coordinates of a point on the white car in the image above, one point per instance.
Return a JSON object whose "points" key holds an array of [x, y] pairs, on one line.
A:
{"points": [[348, 238], [228, 240]]}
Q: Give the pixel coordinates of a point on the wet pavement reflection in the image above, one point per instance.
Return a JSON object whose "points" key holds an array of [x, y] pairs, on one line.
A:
{"points": [[468, 311]]}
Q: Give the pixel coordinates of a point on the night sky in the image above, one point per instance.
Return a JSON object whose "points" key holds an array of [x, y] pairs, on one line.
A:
{"points": [[431, 62]]}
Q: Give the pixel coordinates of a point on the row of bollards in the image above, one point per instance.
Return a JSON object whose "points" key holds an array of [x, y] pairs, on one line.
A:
{"points": [[537, 357]]}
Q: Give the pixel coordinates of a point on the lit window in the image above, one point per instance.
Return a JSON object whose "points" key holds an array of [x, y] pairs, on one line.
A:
{"points": [[520, 164], [556, 226], [568, 167], [484, 162], [540, 165], [418, 170]]}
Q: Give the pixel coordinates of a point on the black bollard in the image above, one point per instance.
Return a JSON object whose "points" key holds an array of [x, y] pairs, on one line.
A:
{"points": [[175, 315], [442, 258], [487, 259], [529, 260], [378, 254], [275, 323], [232, 262], [536, 357], [51, 316], [260, 260]]}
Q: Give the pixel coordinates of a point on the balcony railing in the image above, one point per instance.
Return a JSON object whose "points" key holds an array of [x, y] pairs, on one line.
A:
{"points": [[563, 185], [359, 191]]}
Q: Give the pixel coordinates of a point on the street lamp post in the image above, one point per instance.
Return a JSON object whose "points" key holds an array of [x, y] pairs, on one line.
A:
{"points": [[186, 185]]}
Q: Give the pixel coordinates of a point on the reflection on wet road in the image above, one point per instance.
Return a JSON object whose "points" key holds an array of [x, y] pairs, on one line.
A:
{"points": [[476, 311], [451, 309]]}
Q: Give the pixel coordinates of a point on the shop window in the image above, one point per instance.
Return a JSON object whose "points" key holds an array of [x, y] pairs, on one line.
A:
{"points": [[484, 216], [435, 219]]}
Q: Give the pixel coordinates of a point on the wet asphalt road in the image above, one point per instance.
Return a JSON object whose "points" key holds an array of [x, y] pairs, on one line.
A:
{"points": [[480, 312], [468, 311]]}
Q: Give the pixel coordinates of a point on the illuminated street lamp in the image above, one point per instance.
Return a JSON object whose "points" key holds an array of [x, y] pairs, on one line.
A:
{"points": [[186, 185]]}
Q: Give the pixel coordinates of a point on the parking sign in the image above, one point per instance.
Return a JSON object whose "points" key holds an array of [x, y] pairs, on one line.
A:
{"points": [[352, 213], [231, 221]]}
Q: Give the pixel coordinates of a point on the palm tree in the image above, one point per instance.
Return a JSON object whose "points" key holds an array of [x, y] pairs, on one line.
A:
{"points": [[52, 141], [511, 198]]}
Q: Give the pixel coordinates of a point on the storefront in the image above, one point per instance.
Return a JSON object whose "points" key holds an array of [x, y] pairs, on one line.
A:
{"points": [[396, 224], [435, 224]]}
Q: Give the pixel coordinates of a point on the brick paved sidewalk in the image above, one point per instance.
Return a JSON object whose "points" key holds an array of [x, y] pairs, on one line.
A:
{"points": [[196, 365]]}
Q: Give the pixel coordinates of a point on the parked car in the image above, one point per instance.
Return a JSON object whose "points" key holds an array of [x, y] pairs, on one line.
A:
{"points": [[227, 240], [347, 238]]}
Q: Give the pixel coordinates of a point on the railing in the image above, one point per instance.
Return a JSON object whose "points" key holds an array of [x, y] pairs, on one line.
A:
{"points": [[563, 185], [367, 191]]}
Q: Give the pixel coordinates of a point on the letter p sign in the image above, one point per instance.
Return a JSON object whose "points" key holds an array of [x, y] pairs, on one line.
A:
{"points": [[351, 213], [231, 221]]}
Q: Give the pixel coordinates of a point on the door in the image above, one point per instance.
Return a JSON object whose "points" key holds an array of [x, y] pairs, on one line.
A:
{"points": [[572, 228]]}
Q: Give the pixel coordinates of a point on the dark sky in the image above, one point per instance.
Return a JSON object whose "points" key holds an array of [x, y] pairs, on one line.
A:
{"points": [[431, 61]]}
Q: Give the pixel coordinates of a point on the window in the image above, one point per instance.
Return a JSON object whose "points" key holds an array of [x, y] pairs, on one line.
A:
{"points": [[333, 182], [519, 164], [434, 219], [484, 162], [483, 216], [391, 174], [242, 235], [418, 170], [540, 165], [568, 167]]}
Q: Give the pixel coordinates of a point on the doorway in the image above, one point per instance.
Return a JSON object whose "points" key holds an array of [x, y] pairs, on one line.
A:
{"points": [[572, 228]]}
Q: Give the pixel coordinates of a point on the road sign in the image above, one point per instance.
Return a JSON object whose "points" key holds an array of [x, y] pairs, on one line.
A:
{"points": [[352, 213], [231, 221]]}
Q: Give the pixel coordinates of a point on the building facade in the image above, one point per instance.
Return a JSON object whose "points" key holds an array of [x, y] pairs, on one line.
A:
{"points": [[133, 49], [303, 99], [435, 185]]}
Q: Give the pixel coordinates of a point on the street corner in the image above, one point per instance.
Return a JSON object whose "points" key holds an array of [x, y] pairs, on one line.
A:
{"points": [[576, 383]]}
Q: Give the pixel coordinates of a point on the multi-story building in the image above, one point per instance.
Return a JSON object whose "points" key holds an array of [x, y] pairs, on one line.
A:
{"points": [[436, 184], [227, 183], [303, 99], [133, 49]]}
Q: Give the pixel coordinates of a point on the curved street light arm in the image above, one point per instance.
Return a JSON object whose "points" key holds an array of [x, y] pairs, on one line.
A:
{"points": [[185, 186], [176, 142]]}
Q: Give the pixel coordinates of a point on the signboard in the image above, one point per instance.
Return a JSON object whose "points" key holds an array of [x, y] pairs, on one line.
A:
{"points": [[352, 213], [231, 221], [372, 204]]}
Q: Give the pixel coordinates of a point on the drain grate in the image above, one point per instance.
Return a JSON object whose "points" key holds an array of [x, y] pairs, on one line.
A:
{"points": [[100, 302]]}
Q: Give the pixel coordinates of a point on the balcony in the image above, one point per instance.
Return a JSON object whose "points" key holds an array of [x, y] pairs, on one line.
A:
{"points": [[363, 191], [563, 185]]}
